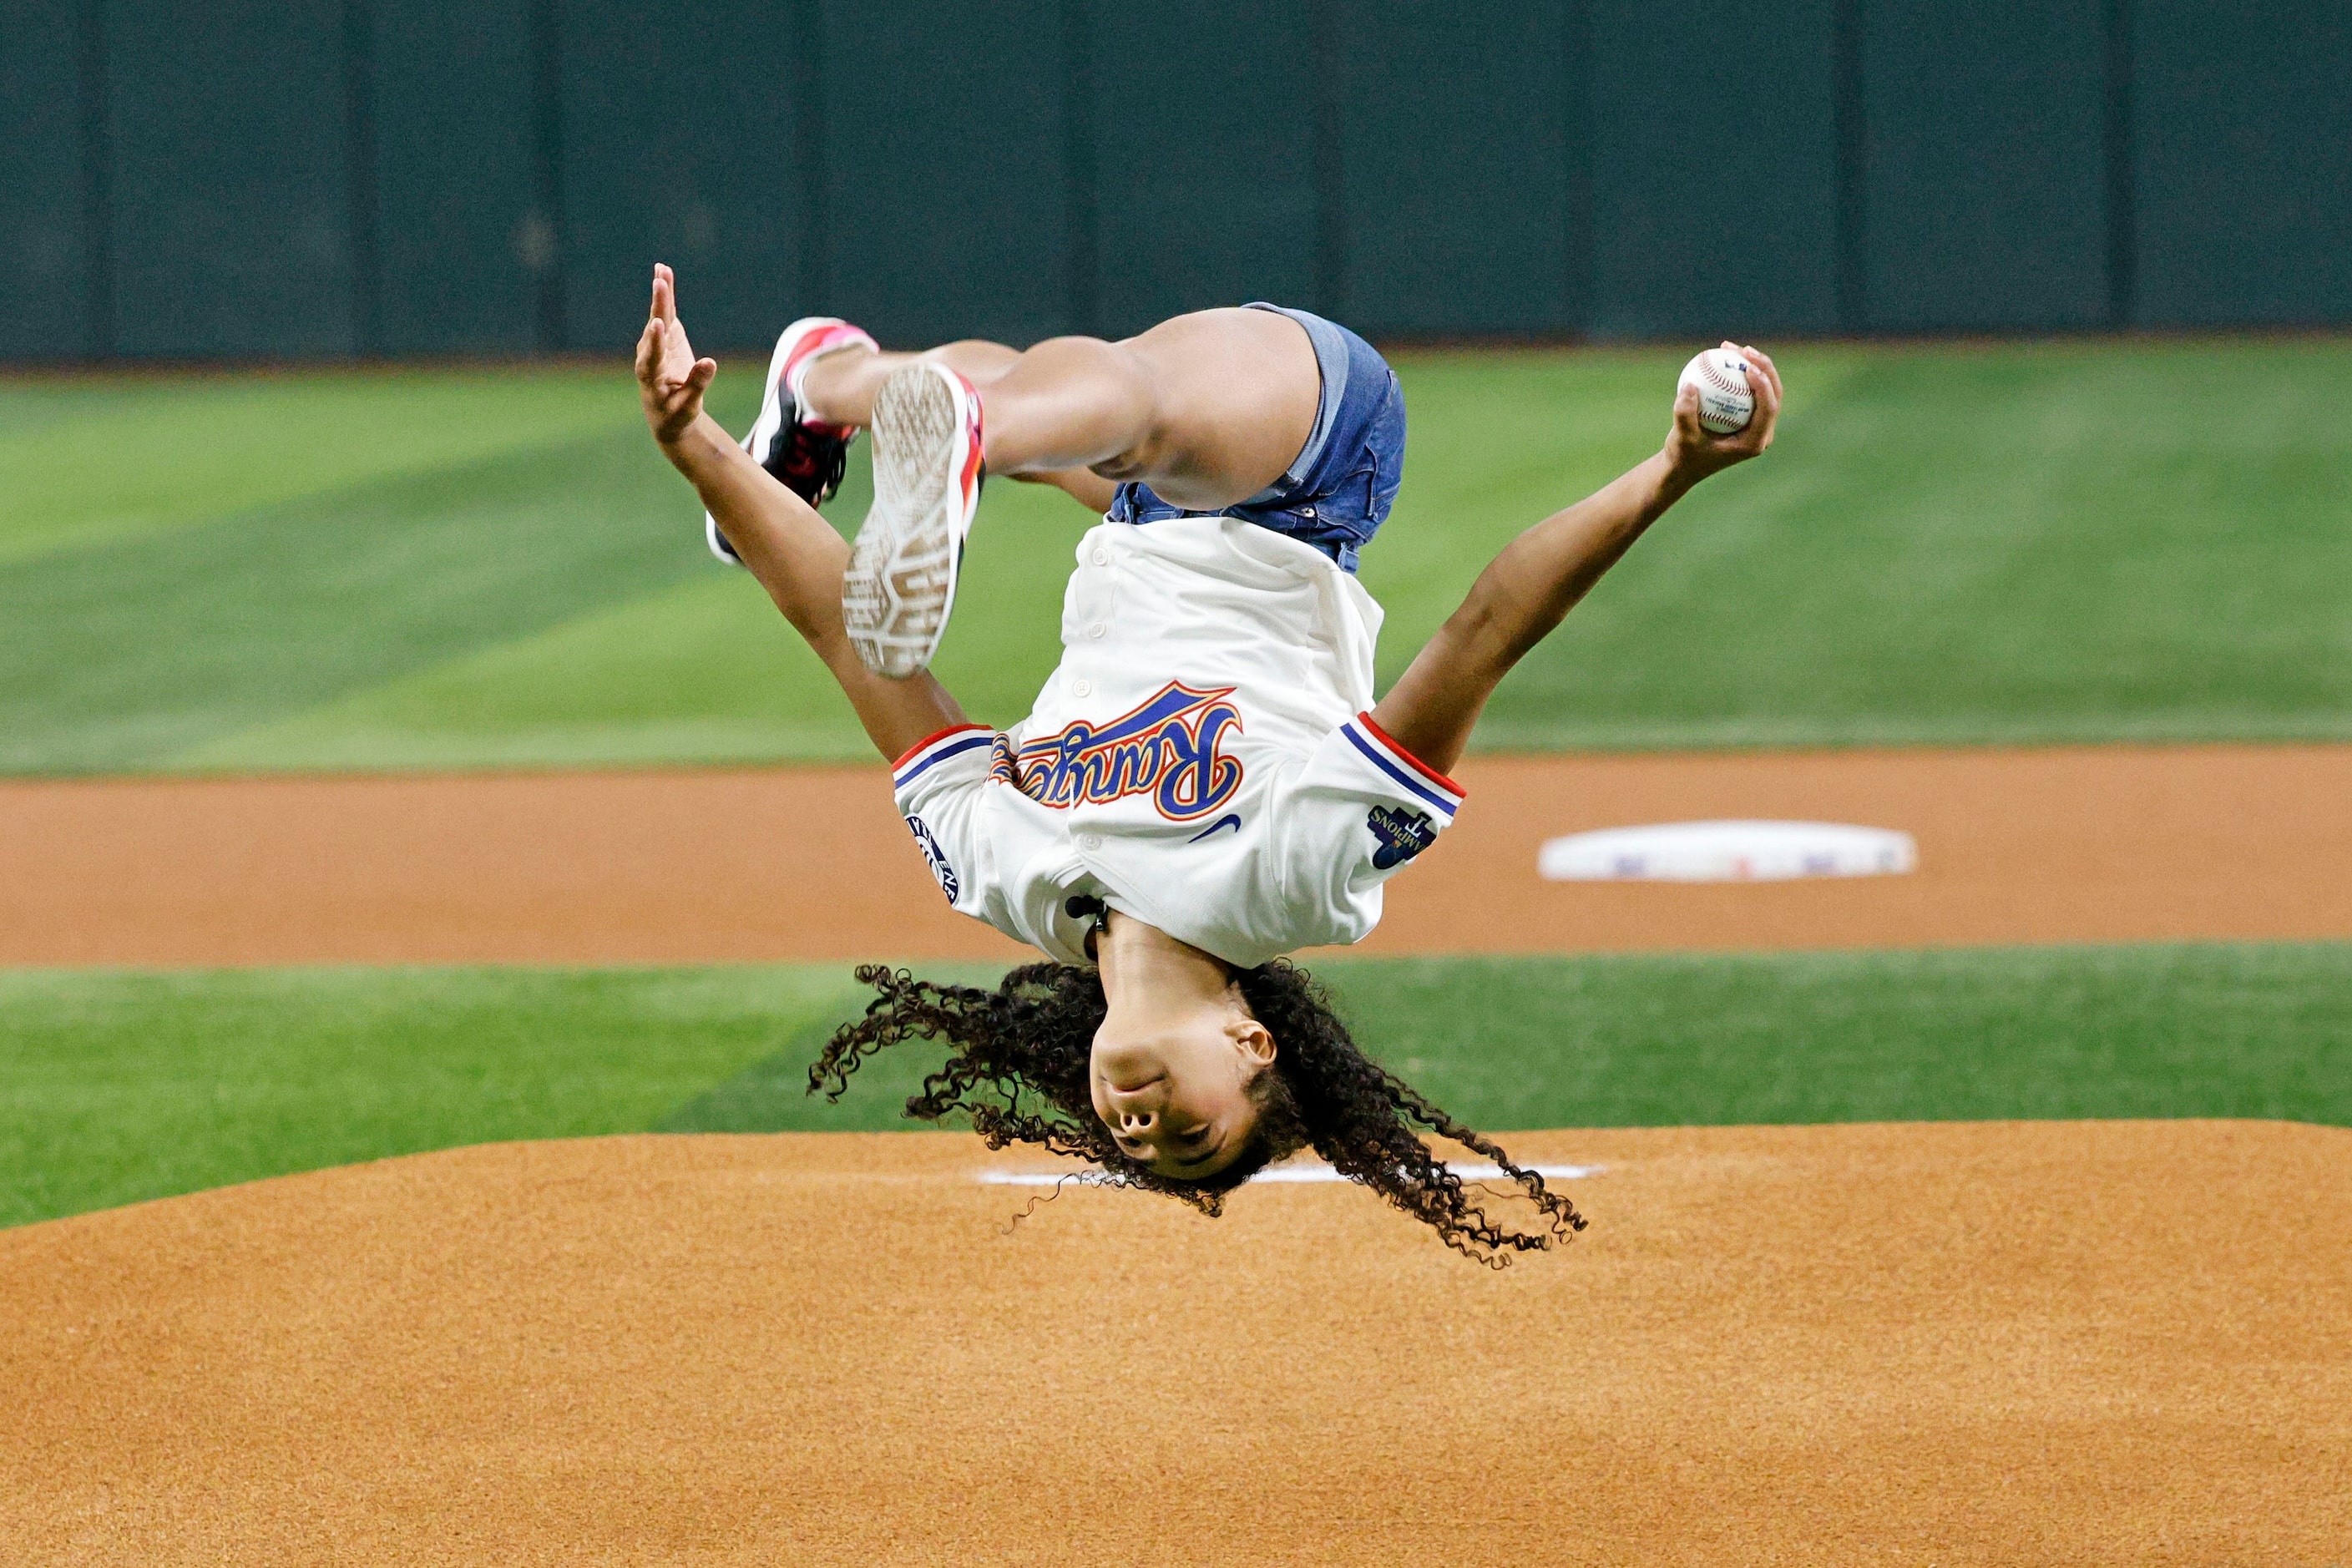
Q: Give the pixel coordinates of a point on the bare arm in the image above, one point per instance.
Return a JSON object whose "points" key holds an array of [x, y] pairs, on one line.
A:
{"points": [[794, 552], [1529, 588], [1084, 486]]}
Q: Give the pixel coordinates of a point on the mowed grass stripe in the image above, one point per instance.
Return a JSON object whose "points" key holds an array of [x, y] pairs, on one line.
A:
{"points": [[116, 1086], [90, 460], [716, 676], [1952, 544], [123, 657], [2022, 543], [2221, 1029], [119, 1087], [703, 671]]}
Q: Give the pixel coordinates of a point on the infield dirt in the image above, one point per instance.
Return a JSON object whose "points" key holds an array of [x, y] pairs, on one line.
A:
{"points": [[2106, 844], [1995, 1344]]}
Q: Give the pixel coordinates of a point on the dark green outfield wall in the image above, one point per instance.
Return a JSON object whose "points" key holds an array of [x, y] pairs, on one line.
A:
{"points": [[326, 177]]}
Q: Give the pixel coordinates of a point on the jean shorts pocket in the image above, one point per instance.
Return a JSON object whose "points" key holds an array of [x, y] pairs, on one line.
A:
{"points": [[1353, 504]]}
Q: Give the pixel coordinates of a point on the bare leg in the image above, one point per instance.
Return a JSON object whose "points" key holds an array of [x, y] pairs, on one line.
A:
{"points": [[840, 387], [1207, 409], [1084, 486]]}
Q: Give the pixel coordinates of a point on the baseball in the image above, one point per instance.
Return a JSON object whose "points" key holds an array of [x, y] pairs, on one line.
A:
{"points": [[1725, 402]]}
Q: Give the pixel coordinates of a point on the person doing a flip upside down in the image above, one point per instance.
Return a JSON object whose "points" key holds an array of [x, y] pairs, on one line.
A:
{"points": [[1207, 782]]}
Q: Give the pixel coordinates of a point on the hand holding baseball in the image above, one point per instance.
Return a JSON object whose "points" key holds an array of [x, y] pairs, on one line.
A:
{"points": [[1708, 434]]}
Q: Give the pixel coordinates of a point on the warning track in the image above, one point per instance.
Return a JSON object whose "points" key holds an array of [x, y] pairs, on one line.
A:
{"points": [[2108, 844]]}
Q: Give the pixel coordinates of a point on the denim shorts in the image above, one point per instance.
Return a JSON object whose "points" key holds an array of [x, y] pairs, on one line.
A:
{"points": [[1337, 491]]}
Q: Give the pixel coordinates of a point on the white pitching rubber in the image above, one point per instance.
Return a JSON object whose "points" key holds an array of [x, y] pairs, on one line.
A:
{"points": [[1093, 1176]]}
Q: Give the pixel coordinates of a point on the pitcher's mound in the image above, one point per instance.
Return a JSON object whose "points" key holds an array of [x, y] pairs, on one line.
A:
{"points": [[1999, 1344]]}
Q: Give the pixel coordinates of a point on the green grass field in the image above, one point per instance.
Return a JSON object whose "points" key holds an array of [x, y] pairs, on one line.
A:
{"points": [[119, 1087], [447, 569], [473, 568]]}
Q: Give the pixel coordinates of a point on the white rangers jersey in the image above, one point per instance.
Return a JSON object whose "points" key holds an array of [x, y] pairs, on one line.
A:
{"points": [[1201, 759]]}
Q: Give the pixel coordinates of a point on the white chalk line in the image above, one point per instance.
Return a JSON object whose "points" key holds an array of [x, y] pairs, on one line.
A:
{"points": [[1089, 1176]]}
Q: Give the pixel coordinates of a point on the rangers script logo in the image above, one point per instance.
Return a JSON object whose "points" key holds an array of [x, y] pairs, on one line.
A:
{"points": [[1166, 748]]}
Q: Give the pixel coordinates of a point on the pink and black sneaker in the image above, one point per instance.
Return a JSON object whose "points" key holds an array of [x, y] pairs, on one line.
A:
{"points": [[901, 581], [806, 456]]}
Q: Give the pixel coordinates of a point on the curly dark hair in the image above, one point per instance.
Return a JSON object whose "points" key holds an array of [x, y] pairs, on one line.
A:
{"points": [[1018, 1071]]}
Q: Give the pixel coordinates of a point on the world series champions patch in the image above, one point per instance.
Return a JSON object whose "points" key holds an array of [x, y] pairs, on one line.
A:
{"points": [[1403, 835], [935, 857]]}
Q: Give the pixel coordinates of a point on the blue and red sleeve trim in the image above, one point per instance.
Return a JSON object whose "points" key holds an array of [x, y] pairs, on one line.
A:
{"points": [[926, 754], [1416, 777]]}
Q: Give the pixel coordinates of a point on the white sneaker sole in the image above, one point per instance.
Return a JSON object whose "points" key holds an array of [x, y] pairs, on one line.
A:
{"points": [[900, 588], [761, 439]]}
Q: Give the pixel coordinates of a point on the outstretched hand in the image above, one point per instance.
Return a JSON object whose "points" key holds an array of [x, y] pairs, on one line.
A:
{"points": [[1693, 453], [670, 380]]}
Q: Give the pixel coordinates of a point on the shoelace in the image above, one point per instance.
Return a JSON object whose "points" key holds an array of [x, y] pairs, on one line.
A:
{"points": [[809, 456]]}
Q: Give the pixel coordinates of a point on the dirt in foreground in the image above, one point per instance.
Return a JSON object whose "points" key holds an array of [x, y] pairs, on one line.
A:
{"points": [[2108, 844], [2005, 1343]]}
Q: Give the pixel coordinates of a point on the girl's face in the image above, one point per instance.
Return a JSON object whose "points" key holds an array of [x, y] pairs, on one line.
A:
{"points": [[1173, 1090]]}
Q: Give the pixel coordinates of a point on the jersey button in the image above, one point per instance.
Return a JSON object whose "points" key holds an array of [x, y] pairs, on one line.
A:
{"points": [[1102, 556], [1089, 840], [1097, 631], [1081, 689]]}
